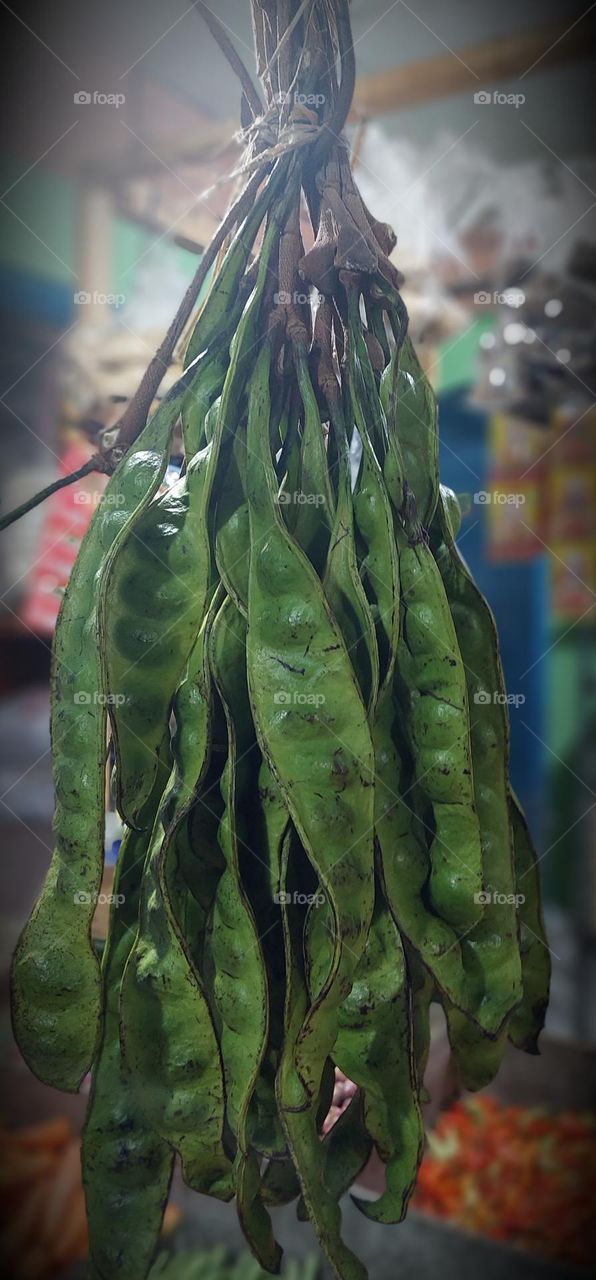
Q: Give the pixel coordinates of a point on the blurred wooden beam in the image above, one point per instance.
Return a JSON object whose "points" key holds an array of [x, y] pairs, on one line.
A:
{"points": [[493, 61], [196, 146]]}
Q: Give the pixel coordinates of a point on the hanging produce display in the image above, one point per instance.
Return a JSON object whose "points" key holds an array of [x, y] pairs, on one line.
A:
{"points": [[302, 688]]}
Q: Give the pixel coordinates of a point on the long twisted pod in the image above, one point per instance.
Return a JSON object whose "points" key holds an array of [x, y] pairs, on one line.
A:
{"points": [[149, 631], [232, 534], [527, 1020], [167, 1032], [341, 582], [491, 949], [55, 981], [171, 1048], [269, 820], [148, 635], [231, 521], [345, 1149], [411, 409], [374, 520], [215, 322], [315, 510], [301, 1126], [126, 1165], [433, 685], [311, 725], [422, 989], [197, 403], [392, 1107], [240, 982], [193, 872], [405, 862], [374, 1048]]}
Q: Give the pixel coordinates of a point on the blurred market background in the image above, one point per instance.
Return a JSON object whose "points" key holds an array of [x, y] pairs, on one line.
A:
{"points": [[472, 132]]}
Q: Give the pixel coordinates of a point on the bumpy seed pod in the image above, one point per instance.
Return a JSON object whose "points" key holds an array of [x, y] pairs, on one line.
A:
{"points": [[288, 614], [127, 1166], [55, 981]]}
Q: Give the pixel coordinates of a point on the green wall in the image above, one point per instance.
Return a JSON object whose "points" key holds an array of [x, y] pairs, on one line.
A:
{"points": [[41, 236]]}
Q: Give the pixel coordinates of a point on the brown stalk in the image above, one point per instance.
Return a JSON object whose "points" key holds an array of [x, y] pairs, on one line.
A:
{"points": [[220, 34], [135, 415]]}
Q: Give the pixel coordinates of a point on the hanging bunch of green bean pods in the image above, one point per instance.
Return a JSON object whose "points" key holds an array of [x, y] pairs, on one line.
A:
{"points": [[296, 682]]}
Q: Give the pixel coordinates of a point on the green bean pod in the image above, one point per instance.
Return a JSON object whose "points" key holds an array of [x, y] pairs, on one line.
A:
{"points": [[491, 949], [342, 584], [374, 1048], [301, 1126], [311, 725], [279, 1182], [346, 1149], [268, 823], [437, 713], [411, 409], [193, 873], [405, 862], [240, 990], [55, 979], [477, 1056], [204, 391], [167, 1032], [232, 534], [527, 1020], [374, 522], [422, 989], [147, 636], [155, 602], [315, 508], [217, 315], [126, 1165], [240, 983], [170, 1045]]}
